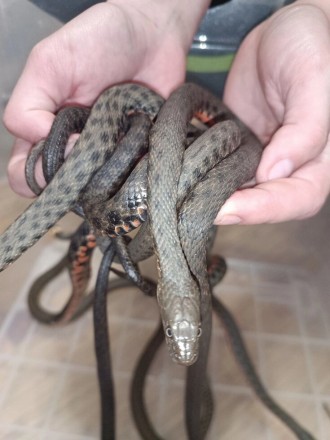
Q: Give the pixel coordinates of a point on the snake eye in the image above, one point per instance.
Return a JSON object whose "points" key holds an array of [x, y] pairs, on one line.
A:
{"points": [[199, 332], [168, 332]]}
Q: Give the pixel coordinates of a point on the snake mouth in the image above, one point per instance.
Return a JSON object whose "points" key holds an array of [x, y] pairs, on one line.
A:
{"points": [[185, 362], [186, 358]]}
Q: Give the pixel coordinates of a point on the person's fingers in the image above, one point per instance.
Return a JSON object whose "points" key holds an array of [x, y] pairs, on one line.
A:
{"points": [[16, 166], [36, 96], [34, 125], [303, 134], [16, 169], [28, 116], [297, 197]]}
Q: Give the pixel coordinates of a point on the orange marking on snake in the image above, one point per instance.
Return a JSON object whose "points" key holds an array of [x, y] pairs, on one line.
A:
{"points": [[203, 116], [141, 210], [126, 227], [136, 223]]}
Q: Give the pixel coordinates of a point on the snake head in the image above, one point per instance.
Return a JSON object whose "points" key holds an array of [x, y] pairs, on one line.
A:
{"points": [[183, 330]]}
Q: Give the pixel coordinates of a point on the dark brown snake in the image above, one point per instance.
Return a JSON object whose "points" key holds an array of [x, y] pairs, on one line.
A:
{"points": [[179, 225], [85, 163]]}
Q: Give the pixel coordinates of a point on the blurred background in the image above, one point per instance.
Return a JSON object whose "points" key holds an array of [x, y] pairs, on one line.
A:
{"points": [[277, 286]]}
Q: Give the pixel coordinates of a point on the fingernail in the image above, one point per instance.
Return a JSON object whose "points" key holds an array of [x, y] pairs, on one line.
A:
{"points": [[228, 220], [227, 215], [282, 169]]}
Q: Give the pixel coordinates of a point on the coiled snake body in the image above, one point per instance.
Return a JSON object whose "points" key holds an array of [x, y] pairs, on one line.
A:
{"points": [[183, 194], [95, 145], [179, 295]]}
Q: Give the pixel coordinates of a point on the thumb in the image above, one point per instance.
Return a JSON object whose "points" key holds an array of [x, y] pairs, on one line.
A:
{"points": [[292, 178], [291, 147], [301, 138]]}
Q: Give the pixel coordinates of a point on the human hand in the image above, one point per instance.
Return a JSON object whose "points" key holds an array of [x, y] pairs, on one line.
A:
{"points": [[112, 42], [279, 85]]}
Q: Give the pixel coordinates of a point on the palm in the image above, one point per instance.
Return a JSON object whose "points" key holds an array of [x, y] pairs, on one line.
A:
{"points": [[249, 98]]}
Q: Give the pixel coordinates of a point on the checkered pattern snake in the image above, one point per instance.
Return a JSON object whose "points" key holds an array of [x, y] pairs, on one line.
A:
{"points": [[179, 200]]}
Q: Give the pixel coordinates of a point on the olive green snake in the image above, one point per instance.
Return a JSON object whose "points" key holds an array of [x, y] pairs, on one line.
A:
{"points": [[178, 217]]}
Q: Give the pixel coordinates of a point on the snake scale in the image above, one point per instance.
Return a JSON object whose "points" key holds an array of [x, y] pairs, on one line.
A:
{"points": [[86, 162], [178, 217], [95, 145]]}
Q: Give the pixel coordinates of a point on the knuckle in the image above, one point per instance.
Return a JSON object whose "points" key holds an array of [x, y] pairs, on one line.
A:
{"points": [[41, 57], [312, 210], [317, 208], [13, 179], [7, 120], [47, 57], [10, 120], [315, 201], [38, 52], [319, 135]]}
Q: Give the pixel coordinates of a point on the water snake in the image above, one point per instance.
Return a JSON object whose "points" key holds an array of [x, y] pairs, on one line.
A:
{"points": [[178, 239], [182, 324], [95, 145]]}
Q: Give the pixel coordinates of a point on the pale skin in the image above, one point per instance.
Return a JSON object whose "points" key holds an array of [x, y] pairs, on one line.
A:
{"points": [[279, 85]]}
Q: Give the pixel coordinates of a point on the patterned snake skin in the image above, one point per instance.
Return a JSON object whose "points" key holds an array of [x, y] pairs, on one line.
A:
{"points": [[95, 145], [184, 192], [184, 298], [179, 303]]}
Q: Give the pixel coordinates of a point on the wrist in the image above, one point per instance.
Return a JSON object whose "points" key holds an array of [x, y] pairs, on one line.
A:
{"points": [[166, 19], [323, 5]]}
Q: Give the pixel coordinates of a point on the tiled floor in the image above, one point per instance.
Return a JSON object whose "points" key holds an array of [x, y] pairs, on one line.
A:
{"points": [[48, 387], [47, 375]]}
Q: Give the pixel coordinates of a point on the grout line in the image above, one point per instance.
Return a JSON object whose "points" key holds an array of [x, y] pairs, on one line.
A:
{"points": [[36, 431], [44, 363], [17, 362], [45, 431], [123, 335], [61, 380], [70, 368], [321, 309], [309, 363], [279, 338], [20, 301], [163, 384], [273, 300], [247, 391], [238, 262], [261, 360], [317, 300], [66, 367]]}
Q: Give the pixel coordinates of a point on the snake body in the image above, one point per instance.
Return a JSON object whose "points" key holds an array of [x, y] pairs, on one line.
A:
{"points": [[218, 142], [180, 290], [96, 144], [179, 294], [77, 262], [184, 290]]}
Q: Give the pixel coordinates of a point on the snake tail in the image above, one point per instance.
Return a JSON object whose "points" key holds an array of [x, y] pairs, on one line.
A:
{"points": [[241, 354], [102, 347]]}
